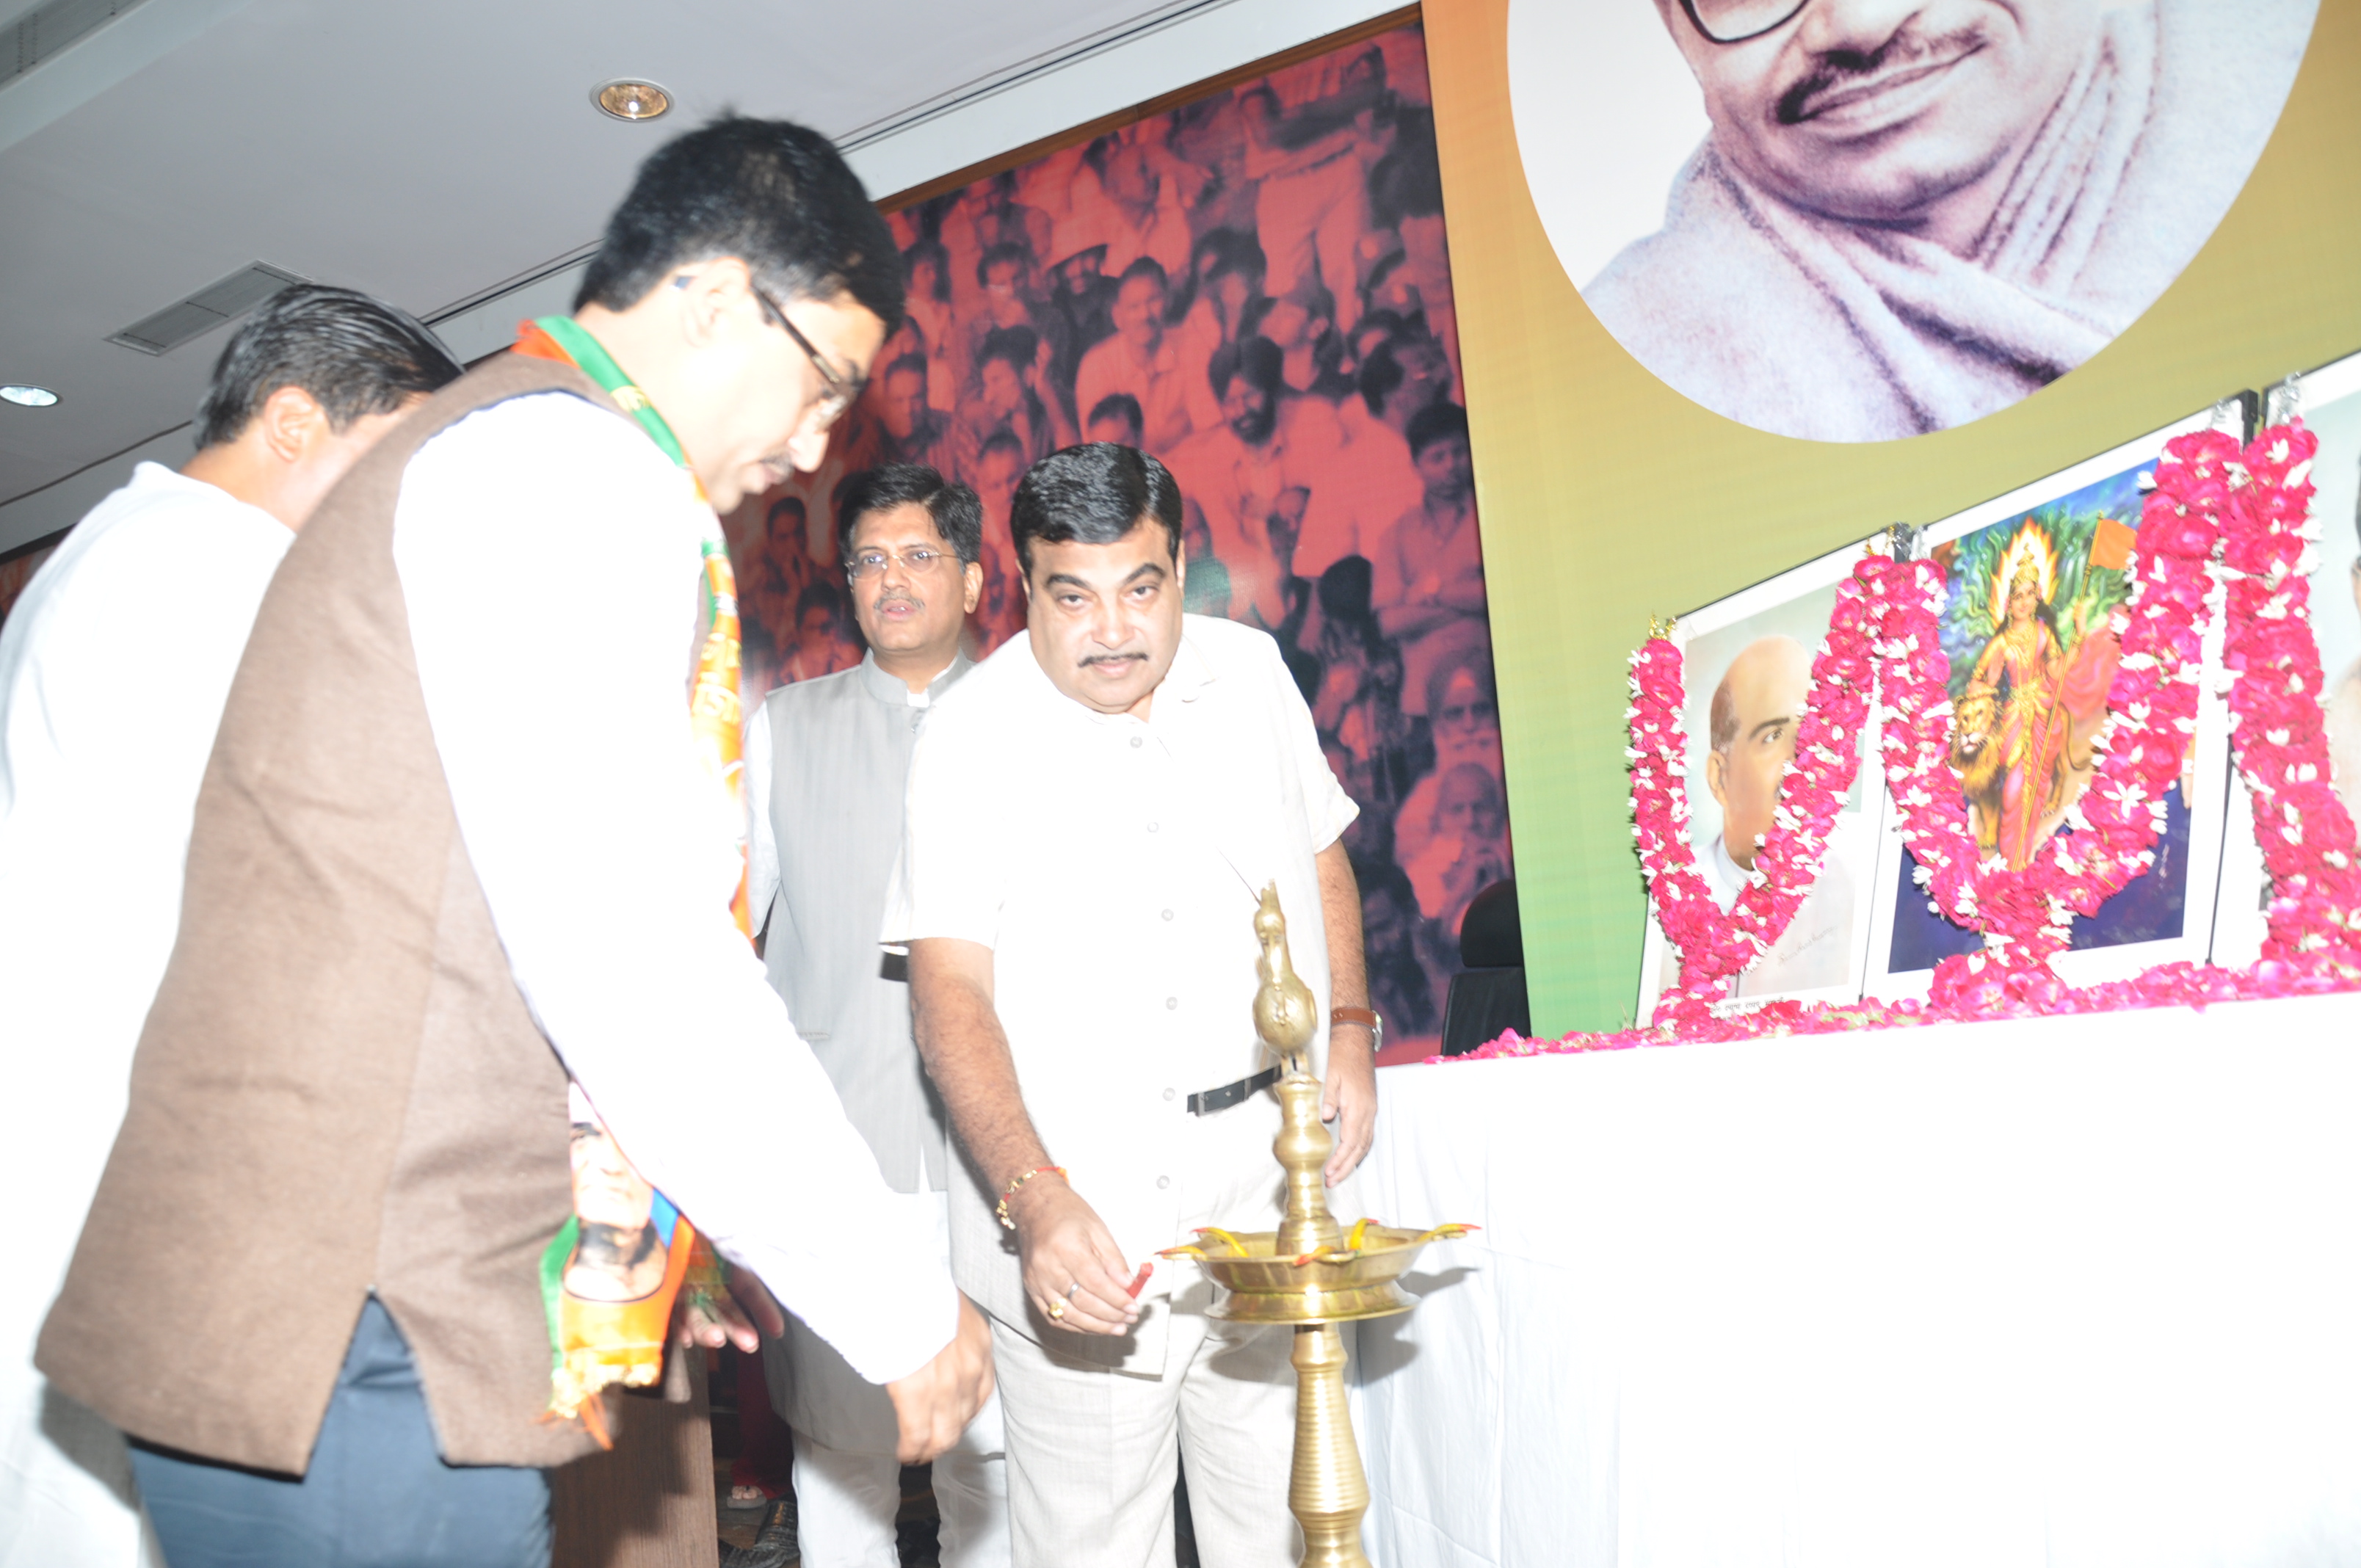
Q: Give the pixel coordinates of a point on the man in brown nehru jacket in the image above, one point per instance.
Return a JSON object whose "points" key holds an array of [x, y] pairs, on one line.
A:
{"points": [[428, 884]]}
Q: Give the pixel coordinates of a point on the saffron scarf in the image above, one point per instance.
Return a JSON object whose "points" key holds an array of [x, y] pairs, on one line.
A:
{"points": [[610, 1278]]}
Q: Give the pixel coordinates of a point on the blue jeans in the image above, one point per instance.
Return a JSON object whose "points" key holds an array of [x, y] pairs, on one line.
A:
{"points": [[377, 1493]]}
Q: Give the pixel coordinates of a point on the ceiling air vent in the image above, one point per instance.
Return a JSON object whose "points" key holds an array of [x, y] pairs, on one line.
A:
{"points": [[44, 31], [204, 309]]}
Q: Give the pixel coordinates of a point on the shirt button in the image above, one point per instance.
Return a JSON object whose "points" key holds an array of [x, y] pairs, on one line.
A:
{"points": [[1151, 828], [1137, 741], [1168, 914], [1168, 1093], [1162, 1182], [1171, 1002]]}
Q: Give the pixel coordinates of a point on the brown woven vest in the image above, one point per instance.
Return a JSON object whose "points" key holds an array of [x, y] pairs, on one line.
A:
{"points": [[339, 1090]]}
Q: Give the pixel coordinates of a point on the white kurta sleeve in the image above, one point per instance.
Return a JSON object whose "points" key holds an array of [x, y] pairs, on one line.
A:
{"points": [[547, 538], [1327, 809], [950, 879]]}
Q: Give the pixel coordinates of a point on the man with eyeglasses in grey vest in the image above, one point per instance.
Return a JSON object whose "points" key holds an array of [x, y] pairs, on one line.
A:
{"points": [[826, 764]]}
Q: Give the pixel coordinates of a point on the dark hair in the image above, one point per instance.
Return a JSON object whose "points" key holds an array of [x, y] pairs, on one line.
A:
{"points": [[1118, 405], [1144, 267], [1001, 440], [1407, 182], [354, 354], [930, 250], [1093, 494], [915, 363], [1013, 346], [819, 594], [783, 503], [1381, 377], [771, 193], [1236, 251], [1436, 421], [1259, 359], [1005, 251], [1722, 718], [958, 515], [1345, 589], [1230, 250]]}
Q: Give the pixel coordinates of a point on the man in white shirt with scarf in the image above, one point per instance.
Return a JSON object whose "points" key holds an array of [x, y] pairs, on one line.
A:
{"points": [[345, 1162]]}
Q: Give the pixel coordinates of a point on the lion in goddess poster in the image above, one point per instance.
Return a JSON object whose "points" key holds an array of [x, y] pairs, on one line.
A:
{"points": [[2027, 629]]}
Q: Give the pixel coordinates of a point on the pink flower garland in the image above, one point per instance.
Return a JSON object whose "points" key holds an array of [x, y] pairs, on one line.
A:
{"points": [[1715, 946], [2307, 836], [2027, 914], [2255, 506]]}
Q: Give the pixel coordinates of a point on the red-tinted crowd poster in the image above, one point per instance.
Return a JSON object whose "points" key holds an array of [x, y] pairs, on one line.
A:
{"points": [[17, 569], [1255, 288]]}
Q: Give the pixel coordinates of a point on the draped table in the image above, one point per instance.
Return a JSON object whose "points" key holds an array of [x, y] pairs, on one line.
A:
{"points": [[2051, 1292]]}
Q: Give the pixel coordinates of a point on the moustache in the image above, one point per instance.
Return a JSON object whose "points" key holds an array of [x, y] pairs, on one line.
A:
{"points": [[1844, 71], [878, 605], [1090, 659]]}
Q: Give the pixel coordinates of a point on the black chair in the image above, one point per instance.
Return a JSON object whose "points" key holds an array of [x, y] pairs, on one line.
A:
{"points": [[1488, 994]]}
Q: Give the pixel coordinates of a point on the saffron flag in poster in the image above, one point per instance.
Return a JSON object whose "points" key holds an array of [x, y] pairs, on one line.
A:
{"points": [[1254, 288]]}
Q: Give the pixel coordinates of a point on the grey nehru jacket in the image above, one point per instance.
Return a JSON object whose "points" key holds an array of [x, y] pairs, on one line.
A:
{"points": [[826, 796]]}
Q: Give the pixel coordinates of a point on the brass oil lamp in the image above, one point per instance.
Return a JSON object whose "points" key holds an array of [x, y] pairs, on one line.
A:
{"points": [[1309, 1273]]}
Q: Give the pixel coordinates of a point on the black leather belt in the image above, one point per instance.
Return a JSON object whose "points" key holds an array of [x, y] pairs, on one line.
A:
{"points": [[1229, 1094]]}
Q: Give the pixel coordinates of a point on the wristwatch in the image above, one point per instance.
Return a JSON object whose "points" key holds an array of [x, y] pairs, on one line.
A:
{"points": [[1362, 1015]]}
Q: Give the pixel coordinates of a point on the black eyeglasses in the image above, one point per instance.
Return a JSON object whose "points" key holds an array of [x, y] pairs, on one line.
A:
{"points": [[1736, 21], [842, 393]]}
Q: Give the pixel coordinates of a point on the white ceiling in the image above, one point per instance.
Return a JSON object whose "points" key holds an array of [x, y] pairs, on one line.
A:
{"points": [[431, 150]]}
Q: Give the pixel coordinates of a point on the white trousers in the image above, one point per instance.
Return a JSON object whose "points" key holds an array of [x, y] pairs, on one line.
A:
{"points": [[846, 1504], [1312, 222], [66, 1494], [1092, 1451]]}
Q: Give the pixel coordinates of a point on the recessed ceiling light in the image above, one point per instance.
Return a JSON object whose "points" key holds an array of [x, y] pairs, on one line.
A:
{"points": [[28, 397], [631, 100]]}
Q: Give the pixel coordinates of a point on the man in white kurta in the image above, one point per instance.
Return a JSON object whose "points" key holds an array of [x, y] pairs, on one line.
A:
{"points": [[1090, 816], [114, 667]]}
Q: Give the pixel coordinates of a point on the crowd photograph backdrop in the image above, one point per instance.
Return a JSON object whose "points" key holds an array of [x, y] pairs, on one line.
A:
{"points": [[1253, 285], [1608, 495]]}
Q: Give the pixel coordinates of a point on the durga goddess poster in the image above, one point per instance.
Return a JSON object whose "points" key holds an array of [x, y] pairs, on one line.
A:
{"points": [[2032, 655], [2027, 625]]}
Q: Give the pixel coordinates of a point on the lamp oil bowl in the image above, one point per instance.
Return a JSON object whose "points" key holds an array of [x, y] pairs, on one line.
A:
{"points": [[1360, 1278], [1309, 1273]]}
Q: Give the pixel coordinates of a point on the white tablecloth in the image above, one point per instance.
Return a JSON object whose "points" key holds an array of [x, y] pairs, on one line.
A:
{"points": [[2053, 1292]]}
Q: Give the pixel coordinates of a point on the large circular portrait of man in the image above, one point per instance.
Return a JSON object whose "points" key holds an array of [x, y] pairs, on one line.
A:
{"points": [[1858, 220]]}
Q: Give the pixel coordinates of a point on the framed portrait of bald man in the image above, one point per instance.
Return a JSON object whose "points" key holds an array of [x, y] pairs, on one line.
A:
{"points": [[1746, 670], [2032, 581], [1860, 220], [2328, 398]]}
